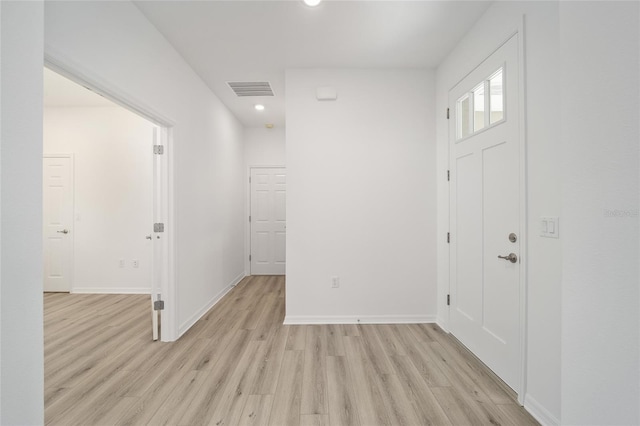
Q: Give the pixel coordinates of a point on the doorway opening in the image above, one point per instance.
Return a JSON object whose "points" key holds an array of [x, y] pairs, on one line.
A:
{"points": [[106, 197], [267, 220]]}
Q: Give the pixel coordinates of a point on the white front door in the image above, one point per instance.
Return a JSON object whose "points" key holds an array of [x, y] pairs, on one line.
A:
{"points": [[485, 212], [57, 223], [268, 220]]}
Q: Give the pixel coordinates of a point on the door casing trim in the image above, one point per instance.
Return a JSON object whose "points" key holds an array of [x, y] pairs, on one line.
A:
{"points": [[62, 64]]}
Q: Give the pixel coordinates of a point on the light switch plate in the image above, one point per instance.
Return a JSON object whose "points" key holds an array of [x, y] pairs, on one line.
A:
{"points": [[550, 227]]}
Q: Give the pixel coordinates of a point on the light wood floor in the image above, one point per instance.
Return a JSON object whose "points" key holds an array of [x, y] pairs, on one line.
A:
{"points": [[240, 365]]}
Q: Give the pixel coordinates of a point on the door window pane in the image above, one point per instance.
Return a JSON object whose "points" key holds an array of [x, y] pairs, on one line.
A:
{"points": [[496, 84], [478, 108], [464, 125], [482, 107]]}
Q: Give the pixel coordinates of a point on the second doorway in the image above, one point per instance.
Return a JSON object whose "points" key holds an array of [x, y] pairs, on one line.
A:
{"points": [[267, 220]]}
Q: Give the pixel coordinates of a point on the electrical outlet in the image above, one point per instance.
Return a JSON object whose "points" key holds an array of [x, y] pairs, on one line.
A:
{"points": [[136, 264], [335, 282], [121, 263]]}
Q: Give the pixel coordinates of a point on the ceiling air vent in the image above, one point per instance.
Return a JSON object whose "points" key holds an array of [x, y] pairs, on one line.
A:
{"points": [[251, 88]]}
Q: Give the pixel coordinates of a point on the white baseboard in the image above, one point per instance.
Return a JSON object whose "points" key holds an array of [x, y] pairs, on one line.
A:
{"points": [[442, 324], [110, 290], [540, 413], [210, 304], [237, 279], [362, 319]]}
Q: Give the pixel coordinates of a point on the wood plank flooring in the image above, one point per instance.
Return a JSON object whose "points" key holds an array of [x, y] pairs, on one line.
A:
{"points": [[239, 365]]}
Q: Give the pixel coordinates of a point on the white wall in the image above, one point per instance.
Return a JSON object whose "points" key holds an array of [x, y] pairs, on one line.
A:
{"points": [[361, 196], [113, 194], [544, 171], [21, 348], [600, 136], [262, 147], [582, 159], [115, 44]]}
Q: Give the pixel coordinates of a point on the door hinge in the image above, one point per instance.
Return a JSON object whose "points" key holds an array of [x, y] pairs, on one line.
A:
{"points": [[158, 305], [448, 300], [448, 237], [158, 149], [158, 227], [249, 218], [447, 113], [249, 258], [448, 175], [249, 179]]}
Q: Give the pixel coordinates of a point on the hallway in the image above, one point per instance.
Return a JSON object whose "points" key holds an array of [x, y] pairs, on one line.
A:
{"points": [[240, 365]]}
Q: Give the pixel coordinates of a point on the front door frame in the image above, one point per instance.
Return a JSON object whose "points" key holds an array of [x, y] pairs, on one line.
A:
{"points": [[519, 33], [165, 211]]}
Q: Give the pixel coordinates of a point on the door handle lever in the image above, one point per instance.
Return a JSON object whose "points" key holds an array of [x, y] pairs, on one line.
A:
{"points": [[511, 257], [64, 231]]}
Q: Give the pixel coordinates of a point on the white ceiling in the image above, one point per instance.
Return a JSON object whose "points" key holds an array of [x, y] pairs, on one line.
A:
{"points": [[258, 40], [62, 92]]}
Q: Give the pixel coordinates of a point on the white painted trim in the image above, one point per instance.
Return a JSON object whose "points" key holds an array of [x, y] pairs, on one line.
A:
{"points": [[110, 290], [237, 279], [57, 61], [210, 304], [354, 319], [156, 246], [442, 324], [540, 413], [169, 212], [62, 155], [523, 235], [64, 65]]}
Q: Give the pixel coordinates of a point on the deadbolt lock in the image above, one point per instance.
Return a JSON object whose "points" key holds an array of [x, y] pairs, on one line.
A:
{"points": [[513, 237]]}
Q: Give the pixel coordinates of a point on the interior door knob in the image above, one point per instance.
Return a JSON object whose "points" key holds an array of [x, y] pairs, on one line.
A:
{"points": [[64, 231], [511, 257]]}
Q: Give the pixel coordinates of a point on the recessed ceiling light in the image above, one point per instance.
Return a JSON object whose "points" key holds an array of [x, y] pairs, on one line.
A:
{"points": [[259, 107], [312, 3]]}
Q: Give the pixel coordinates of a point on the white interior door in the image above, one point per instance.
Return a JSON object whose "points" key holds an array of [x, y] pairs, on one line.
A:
{"points": [[159, 262], [268, 220], [485, 212], [57, 223]]}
